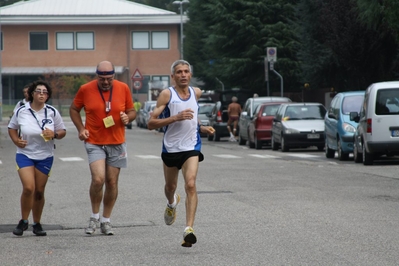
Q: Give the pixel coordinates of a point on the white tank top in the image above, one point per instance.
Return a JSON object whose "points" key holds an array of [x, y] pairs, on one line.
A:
{"points": [[181, 135]]}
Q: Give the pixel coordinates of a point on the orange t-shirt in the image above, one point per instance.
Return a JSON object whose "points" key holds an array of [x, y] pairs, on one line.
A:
{"points": [[89, 98]]}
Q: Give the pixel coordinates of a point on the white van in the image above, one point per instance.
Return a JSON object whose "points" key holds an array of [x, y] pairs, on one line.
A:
{"points": [[377, 133]]}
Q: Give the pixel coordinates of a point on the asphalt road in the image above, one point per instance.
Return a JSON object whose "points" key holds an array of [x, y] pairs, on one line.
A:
{"points": [[256, 207]]}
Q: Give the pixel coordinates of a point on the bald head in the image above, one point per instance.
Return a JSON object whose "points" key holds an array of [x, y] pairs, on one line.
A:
{"points": [[105, 66]]}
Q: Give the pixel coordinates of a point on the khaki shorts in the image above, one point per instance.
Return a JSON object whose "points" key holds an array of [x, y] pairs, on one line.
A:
{"points": [[114, 155]]}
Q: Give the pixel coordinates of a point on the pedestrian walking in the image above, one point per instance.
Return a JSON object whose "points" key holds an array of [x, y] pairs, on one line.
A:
{"points": [[177, 107], [33, 128], [108, 106], [233, 111]]}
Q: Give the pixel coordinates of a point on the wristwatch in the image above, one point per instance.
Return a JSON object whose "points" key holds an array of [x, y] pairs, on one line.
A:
{"points": [[56, 135]]}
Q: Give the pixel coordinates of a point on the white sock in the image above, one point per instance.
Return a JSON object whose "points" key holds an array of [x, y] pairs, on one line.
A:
{"points": [[105, 220], [173, 205], [95, 216], [188, 227]]}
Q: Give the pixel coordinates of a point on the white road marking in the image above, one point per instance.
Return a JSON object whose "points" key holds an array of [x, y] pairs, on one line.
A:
{"points": [[263, 156], [226, 156], [148, 156], [302, 155], [71, 159]]}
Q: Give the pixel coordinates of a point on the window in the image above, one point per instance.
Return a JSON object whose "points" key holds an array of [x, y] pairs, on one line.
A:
{"points": [[66, 40], [38, 40], [141, 40], [144, 40], [160, 40], [84, 41], [160, 82]]}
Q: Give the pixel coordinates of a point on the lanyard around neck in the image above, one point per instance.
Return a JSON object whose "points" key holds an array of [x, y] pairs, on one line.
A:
{"points": [[44, 121], [108, 103]]}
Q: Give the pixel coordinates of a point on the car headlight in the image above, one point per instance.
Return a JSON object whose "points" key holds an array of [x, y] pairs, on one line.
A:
{"points": [[291, 131], [348, 128]]}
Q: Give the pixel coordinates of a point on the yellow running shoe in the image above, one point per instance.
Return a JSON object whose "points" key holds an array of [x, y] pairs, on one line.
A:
{"points": [[170, 213], [189, 238]]}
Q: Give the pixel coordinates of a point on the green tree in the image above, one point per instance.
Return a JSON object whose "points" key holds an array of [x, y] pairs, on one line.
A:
{"points": [[227, 39], [338, 51], [9, 2]]}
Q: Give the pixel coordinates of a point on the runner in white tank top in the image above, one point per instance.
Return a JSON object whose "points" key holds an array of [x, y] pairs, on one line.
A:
{"points": [[177, 111], [181, 135]]}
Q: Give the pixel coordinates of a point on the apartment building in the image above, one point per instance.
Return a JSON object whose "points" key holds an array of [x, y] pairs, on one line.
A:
{"points": [[69, 37]]}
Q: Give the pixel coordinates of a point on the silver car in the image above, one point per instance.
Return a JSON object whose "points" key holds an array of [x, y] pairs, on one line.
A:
{"points": [[298, 125]]}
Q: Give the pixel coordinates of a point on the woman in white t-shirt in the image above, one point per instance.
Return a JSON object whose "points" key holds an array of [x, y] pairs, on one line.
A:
{"points": [[33, 128]]}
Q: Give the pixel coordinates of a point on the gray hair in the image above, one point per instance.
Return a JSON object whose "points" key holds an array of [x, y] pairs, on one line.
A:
{"points": [[179, 62]]}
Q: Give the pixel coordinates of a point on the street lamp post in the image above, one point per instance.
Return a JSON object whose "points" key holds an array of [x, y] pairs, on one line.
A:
{"points": [[181, 23]]}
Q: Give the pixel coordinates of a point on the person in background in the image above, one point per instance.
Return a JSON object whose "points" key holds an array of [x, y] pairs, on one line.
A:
{"points": [[24, 100], [137, 105], [181, 147], [39, 124], [233, 111], [108, 105]]}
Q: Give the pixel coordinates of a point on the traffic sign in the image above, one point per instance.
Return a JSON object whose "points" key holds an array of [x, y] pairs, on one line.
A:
{"points": [[137, 84], [272, 54], [137, 75]]}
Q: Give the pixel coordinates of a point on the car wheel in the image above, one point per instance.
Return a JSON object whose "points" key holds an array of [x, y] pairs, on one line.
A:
{"points": [[357, 156], [367, 157], [258, 143], [216, 136], [210, 137], [330, 153], [342, 156], [274, 144], [284, 146], [241, 141]]}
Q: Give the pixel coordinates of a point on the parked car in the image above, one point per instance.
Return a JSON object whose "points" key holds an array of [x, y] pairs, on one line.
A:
{"points": [[260, 126], [218, 117], [148, 114], [377, 133], [298, 125], [143, 113], [248, 112], [339, 129], [204, 111]]}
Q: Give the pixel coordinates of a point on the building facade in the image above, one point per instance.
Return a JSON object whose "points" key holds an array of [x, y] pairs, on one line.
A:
{"points": [[71, 37]]}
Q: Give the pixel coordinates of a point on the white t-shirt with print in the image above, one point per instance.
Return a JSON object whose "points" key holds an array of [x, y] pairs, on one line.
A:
{"points": [[30, 124]]}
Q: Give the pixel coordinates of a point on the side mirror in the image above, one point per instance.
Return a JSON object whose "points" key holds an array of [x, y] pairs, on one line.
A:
{"points": [[354, 116], [244, 113]]}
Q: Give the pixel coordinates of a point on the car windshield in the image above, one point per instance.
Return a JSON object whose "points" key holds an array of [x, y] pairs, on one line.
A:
{"points": [[205, 109], [305, 112], [270, 110], [352, 104]]}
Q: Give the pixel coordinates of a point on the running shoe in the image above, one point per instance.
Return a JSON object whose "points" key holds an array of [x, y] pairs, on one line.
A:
{"points": [[106, 228], [93, 224], [38, 230], [189, 238], [21, 227], [170, 213]]}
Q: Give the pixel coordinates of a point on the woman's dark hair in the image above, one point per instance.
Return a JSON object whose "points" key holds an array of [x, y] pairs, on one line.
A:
{"points": [[33, 87]]}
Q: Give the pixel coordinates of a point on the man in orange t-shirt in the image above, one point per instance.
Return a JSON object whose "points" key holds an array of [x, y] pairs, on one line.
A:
{"points": [[108, 105]]}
